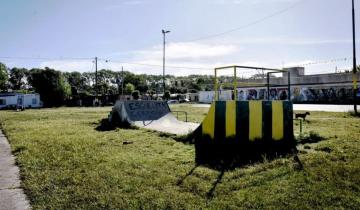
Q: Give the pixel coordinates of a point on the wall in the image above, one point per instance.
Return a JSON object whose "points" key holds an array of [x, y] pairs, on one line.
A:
{"points": [[209, 96], [315, 94]]}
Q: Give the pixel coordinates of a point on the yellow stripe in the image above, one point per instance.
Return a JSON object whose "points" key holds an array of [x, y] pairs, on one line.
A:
{"points": [[208, 125], [277, 120], [255, 120], [230, 118]]}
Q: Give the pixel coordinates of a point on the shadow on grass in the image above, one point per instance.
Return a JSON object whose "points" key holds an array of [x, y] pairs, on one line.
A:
{"points": [[229, 154], [353, 114], [105, 125], [210, 194], [222, 168], [310, 138], [182, 179]]}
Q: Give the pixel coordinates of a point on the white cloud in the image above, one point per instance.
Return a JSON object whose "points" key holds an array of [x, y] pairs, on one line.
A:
{"points": [[181, 59], [195, 58], [186, 51]]}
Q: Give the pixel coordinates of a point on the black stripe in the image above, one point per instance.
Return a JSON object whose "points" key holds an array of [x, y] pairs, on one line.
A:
{"points": [[288, 121], [220, 121], [242, 121], [267, 120]]}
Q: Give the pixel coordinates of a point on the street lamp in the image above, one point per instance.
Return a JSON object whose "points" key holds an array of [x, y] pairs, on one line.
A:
{"points": [[354, 57], [164, 32]]}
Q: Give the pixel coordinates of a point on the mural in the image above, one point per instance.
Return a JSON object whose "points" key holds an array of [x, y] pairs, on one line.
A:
{"points": [[300, 94], [338, 94]]}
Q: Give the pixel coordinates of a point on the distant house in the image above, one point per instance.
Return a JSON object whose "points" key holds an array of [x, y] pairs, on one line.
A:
{"points": [[192, 97], [19, 100]]}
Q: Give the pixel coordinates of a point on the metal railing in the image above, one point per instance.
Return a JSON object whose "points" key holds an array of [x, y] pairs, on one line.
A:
{"points": [[177, 114]]}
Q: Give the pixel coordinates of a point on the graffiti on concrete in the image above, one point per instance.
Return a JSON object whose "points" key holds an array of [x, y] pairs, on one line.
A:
{"points": [[300, 94], [146, 110]]}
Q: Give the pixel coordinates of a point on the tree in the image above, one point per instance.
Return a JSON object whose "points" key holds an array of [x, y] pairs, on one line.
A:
{"points": [[50, 84], [173, 90], [3, 76], [135, 94], [76, 81], [194, 86], [18, 78], [129, 88], [166, 95]]}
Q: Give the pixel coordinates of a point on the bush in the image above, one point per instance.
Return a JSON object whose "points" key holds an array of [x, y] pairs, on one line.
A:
{"points": [[135, 94], [166, 95]]}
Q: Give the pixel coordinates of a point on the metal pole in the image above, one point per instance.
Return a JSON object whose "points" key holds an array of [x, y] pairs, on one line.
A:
{"points": [[235, 84], [289, 90], [216, 87], [354, 57], [163, 63], [268, 85], [96, 79], [122, 81]]}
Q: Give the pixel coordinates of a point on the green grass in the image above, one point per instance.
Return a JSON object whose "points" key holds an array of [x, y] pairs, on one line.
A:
{"points": [[66, 163]]}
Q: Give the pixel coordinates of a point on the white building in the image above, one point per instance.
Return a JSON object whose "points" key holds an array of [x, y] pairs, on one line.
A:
{"points": [[19, 100]]}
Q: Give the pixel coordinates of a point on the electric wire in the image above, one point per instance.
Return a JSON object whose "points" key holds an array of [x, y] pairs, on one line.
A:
{"points": [[247, 25]]}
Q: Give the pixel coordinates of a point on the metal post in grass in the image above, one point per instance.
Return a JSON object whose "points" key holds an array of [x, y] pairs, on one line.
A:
{"points": [[235, 84], [268, 85], [216, 86], [96, 82], [289, 90], [354, 57]]}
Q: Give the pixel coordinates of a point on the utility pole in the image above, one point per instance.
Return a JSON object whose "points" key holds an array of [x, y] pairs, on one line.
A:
{"points": [[354, 57], [164, 32], [96, 79], [122, 81]]}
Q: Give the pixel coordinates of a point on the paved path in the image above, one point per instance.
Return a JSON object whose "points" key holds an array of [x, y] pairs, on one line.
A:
{"points": [[12, 196], [309, 107]]}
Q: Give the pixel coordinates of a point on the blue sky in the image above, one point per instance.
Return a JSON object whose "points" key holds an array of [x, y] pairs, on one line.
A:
{"points": [[128, 33]]}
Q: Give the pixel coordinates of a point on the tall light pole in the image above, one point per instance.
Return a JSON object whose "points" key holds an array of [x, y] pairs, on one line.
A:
{"points": [[354, 57], [164, 32], [96, 78]]}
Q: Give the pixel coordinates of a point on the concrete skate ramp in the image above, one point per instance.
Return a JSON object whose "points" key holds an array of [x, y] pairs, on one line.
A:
{"points": [[153, 115], [168, 124]]}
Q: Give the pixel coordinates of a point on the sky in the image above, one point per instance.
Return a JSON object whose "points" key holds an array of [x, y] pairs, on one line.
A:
{"points": [[67, 34]]}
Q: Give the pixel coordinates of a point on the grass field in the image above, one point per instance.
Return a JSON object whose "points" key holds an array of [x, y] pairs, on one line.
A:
{"points": [[66, 163]]}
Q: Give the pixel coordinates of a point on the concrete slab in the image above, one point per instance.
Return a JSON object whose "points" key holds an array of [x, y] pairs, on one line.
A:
{"points": [[11, 195], [13, 199]]}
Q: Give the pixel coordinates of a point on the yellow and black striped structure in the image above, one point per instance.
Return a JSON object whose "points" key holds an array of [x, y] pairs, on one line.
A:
{"points": [[248, 120], [246, 127]]}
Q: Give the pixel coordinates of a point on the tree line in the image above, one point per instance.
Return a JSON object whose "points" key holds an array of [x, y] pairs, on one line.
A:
{"points": [[55, 87]]}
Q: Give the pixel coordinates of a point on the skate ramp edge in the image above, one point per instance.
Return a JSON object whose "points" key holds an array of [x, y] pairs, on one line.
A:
{"points": [[153, 115]]}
